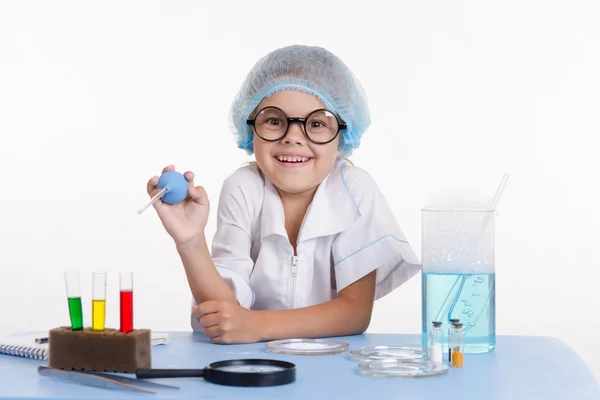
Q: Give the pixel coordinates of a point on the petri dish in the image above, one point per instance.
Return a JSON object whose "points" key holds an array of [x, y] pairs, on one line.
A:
{"points": [[307, 346], [403, 369], [377, 353]]}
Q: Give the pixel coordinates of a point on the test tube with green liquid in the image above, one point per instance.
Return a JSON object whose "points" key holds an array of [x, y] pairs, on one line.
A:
{"points": [[74, 300]]}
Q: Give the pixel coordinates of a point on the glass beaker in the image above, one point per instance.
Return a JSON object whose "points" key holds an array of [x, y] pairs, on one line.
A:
{"points": [[458, 274]]}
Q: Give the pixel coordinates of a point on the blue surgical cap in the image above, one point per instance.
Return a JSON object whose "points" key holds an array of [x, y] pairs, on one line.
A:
{"points": [[313, 70]]}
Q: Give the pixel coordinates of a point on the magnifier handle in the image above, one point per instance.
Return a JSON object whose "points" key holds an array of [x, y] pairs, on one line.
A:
{"points": [[150, 373]]}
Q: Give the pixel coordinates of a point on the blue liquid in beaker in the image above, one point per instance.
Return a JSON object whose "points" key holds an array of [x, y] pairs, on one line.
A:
{"points": [[468, 297]]}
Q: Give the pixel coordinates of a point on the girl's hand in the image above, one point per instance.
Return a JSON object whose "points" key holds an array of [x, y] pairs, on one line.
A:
{"points": [[228, 322], [186, 220]]}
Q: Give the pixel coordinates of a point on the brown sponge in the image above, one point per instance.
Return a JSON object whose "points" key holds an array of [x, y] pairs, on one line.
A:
{"points": [[108, 351]]}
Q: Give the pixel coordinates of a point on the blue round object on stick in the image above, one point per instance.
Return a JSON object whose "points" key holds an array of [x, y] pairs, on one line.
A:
{"points": [[176, 184]]}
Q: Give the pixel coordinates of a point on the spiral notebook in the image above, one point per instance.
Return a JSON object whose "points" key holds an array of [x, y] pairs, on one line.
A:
{"points": [[26, 346]]}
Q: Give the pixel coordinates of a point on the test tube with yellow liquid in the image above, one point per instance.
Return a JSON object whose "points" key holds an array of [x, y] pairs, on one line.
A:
{"points": [[98, 301]]}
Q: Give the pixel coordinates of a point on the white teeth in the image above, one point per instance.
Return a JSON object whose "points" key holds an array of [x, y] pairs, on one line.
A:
{"points": [[292, 159]]}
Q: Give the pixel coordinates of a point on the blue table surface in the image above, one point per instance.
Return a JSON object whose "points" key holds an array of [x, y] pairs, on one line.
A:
{"points": [[521, 367]]}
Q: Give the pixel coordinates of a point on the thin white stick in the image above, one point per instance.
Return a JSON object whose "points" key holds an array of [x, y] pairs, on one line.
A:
{"points": [[152, 200], [499, 191]]}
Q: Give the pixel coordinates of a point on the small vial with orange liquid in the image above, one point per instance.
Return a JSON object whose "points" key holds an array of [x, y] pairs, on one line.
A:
{"points": [[457, 345], [98, 301], [451, 324]]}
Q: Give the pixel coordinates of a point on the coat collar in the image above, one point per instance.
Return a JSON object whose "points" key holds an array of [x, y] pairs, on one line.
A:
{"points": [[331, 211]]}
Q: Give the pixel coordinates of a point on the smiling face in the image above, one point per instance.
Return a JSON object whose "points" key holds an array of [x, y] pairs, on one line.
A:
{"points": [[294, 164]]}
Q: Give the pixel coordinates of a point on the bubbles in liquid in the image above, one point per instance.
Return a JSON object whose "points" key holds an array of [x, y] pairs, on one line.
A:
{"points": [[444, 297]]}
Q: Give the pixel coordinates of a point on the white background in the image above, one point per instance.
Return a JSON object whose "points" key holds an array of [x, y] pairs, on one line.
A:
{"points": [[95, 98]]}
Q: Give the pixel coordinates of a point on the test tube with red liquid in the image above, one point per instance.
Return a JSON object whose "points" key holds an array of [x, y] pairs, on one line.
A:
{"points": [[126, 301]]}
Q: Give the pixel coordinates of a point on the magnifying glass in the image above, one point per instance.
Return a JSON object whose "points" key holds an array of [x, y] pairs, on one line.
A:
{"points": [[244, 372]]}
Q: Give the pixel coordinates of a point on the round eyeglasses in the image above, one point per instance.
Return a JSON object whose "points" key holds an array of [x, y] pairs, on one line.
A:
{"points": [[320, 127]]}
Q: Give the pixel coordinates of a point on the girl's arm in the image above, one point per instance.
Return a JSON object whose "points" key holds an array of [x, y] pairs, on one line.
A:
{"points": [[203, 278], [185, 222], [223, 273], [348, 314]]}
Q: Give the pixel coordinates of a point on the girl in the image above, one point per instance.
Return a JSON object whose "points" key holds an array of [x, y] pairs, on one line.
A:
{"points": [[305, 242]]}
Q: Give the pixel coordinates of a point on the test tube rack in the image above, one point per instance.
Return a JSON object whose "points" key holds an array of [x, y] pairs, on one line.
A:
{"points": [[107, 351]]}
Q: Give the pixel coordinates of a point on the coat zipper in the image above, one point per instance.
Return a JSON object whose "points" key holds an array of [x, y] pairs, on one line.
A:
{"points": [[294, 269]]}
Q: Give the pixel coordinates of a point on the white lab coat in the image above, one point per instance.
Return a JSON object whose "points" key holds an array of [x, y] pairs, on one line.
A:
{"points": [[348, 231]]}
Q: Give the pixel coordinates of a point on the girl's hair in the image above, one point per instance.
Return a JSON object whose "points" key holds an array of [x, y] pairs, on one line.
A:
{"points": [[347, 160]]}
